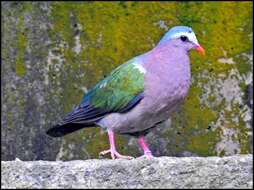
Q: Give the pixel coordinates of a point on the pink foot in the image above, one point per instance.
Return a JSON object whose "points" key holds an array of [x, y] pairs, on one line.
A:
{"points": [[115, 154], [112, 150], [147, 152]]}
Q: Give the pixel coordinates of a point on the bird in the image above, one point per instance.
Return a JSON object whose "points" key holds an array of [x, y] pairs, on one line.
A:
{"points": [[137, 95]]}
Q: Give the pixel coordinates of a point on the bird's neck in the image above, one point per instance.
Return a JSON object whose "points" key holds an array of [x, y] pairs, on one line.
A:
{"points": [[168, 55], [166, 61]]}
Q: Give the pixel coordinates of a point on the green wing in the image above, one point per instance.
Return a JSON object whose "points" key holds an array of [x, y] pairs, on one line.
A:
{"points": [[117, 90]]}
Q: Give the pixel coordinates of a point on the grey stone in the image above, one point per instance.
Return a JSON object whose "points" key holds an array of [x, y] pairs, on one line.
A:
{"points": [[159, 172]]}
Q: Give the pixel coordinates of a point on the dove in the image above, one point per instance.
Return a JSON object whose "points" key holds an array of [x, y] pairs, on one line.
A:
{"points": [[137, 95]]}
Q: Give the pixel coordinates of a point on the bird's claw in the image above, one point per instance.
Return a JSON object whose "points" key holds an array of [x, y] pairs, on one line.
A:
{"points": [[115, 154]]}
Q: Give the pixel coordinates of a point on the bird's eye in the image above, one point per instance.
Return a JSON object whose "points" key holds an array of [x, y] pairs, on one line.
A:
{"points": [[184, 38]]}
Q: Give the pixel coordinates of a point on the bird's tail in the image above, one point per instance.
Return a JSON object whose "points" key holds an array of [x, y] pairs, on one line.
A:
{"points": [[62, 130], [82, 116]]}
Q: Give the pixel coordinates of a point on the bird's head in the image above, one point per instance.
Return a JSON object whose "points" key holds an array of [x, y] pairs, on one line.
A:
{"points": [[182, 36]]}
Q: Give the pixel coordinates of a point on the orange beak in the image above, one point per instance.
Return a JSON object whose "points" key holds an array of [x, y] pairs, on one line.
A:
{"points": [[200, 50]]}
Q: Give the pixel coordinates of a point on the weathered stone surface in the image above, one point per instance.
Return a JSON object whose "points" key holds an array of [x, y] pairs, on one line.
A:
{"points": [[161, 172], [52, 52]]}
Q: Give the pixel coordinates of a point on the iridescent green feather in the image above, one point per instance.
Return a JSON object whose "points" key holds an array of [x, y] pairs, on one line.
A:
{"points": [[118, 89]]}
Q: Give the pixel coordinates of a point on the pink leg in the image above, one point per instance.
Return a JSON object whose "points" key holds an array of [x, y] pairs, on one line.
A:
{"points": [[112, 150], [147, 152]]}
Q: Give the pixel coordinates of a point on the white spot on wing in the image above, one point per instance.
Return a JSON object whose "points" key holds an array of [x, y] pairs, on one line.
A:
{"points": [[103, 85], [140, 68]]}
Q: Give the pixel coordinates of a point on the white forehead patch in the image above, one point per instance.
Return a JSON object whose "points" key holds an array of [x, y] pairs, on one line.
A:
{"points": [[191, 36]]}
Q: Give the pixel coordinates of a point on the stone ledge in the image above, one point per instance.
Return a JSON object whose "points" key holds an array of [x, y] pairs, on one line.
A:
{"points": [[162, 172]]}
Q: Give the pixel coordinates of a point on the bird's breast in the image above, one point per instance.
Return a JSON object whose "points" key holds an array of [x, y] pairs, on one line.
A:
{"points": [[166, 85]]}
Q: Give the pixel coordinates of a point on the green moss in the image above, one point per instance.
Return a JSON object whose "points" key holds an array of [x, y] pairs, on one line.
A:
{"points": [[242, 64], [243, 137], [193, 125], [21, 48], [20, 65], [194, 113], [203, 145], [21, 9], [113, 32]]}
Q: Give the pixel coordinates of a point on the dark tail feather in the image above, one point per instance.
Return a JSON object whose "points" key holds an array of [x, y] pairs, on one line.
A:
{"points": [[61, 130], [80, 117]]}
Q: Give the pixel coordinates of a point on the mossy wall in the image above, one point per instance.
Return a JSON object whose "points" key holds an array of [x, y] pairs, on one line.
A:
{"points": [[52, 52]]}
